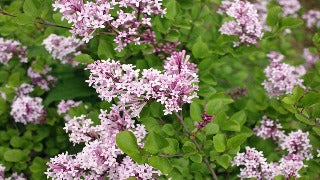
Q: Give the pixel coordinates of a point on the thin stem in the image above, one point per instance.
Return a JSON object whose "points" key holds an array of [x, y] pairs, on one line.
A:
{"points": [[170, 156], [206, 161], [38, 22]]}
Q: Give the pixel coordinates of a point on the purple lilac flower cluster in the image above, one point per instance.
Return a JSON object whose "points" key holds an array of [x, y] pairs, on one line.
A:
{"points": [[26, 109], [255, 164], [132, 17], [44, 80], [11, 48], [312, 18], [311, 58], [246, 24], [14, 176], [100, 158], [173, 87], [290, 7], [65, 105], [63, 48], [281, 77]]}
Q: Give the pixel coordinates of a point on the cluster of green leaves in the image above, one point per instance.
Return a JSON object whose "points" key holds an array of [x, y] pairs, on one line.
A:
{"points": [[180, 151]]}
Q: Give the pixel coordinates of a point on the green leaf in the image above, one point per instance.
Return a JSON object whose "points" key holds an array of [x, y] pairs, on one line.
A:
{"points": [[219, 142], [168, 129], [69, 88], [24, 19], [173, 146], [310, 99], [274, 15], [224, 160], [304, 119], [195, 111], [84, 58], [171, 9], [212, 128], [17, 142], [200, 49], [231, 125], [197, 158], [290, 22], [156, 109], [127, 142], [14, 155], [105, 49], [239, 117], [14, 79], [161, 164], [154, 143], [189, 148], [31, 8], [236, 141]]}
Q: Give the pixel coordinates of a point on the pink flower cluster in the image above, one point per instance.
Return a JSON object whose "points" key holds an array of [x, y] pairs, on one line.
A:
{"points": [[312, 18], [173, 87], [269, 129], [65, 105], [290, 7], [296, 144], [129, 19], [281, 77], [100, 158], [311, 58], [43, 80], [11, 48], [63, 48], [26, 109], [14, 176], [246, 24]]}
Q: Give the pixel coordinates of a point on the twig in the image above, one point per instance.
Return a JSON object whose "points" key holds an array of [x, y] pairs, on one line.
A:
{"points": [[206, 161], [38, 22]]}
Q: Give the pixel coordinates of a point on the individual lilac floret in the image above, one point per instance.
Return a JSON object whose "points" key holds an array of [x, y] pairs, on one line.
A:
{"points": [[26, 109], [173, 87], [281, 77], [298, 143], [246, 23], [63, 48], [11, 48], [312, 18], [311, 58], [269, 129], [65, 105], [130, 19], [290, 7], [43, 80]]}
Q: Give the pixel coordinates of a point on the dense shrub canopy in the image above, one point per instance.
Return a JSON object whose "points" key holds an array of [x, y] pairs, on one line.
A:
{"points": [[159, 89]]}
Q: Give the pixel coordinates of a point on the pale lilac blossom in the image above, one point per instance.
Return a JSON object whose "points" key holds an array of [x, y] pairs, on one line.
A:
{"points": [[26, 109], [65, 105], [44, 80], [311, 58], [282, 77], [173, 87], [246, 24], [24, 89], [131, 17], [290, 7], [312, 18], [10, 49], [63, 48], [269, 129]]}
